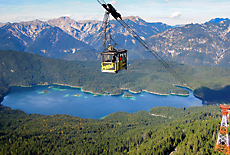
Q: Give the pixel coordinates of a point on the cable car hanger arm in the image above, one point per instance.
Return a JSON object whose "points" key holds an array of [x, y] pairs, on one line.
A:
{"points": [[110, 9]]}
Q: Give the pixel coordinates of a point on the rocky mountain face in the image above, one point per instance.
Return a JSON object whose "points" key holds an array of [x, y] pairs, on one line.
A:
{"points": [[193, 44], [90, 32], [65, 38], [41, 38], [217, 20], [2, 24]]}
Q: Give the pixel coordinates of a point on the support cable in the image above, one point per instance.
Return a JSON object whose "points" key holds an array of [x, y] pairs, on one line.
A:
{"points": [[154, 53], [118, 17]]}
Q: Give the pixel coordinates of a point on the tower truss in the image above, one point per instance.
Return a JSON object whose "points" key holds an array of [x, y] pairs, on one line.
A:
{"points": [[222, 144]]}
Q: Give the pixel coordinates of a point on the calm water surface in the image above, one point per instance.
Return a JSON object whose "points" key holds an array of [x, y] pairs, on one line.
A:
{"points": [[62, 100]]}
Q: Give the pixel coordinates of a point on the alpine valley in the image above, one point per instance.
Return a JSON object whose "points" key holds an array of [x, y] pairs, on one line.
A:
{"points": [[30, 55], [193, 44]]}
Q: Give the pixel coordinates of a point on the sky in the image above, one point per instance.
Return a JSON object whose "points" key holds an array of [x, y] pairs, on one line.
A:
{"points": [[171, 12]]}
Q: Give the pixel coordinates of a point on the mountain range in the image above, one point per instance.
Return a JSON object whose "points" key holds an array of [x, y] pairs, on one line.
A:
{"points": [[64, 38], [195, 44], [41, 38]]}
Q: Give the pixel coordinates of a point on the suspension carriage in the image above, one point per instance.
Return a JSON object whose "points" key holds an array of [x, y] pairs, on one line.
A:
{"points": [[113, 60]]}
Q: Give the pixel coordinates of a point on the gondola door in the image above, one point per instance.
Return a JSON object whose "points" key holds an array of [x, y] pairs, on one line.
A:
{"points": [[109, 62]]}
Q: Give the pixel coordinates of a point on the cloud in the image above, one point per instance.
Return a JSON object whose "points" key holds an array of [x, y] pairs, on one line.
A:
{"points": [[78, 3], [113, 2], [68, 15], [176, 14]]}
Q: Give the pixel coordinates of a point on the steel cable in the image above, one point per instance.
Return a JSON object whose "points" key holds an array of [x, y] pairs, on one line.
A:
{"points": [[154, 53]]}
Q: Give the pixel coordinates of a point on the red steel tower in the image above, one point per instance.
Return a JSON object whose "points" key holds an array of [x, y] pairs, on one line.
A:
{"points": [[222, 144]]}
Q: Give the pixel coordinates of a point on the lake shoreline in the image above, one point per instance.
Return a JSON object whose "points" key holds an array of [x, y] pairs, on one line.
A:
{"points": [[128, 89], [61, 100], [94, 93], [99, 94], [155, 93]]}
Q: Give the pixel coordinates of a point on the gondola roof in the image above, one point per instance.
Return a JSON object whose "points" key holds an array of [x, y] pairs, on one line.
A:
{"points": [[112, 52]]}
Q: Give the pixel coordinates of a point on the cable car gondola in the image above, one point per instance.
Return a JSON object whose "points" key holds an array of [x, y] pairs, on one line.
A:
{"points": [[113, 60]]}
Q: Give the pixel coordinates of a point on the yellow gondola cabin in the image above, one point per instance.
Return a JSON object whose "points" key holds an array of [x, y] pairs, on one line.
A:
{"points": [[113, 60]]}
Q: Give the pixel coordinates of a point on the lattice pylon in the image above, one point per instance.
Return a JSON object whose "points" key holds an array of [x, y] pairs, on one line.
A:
{"points": [[222, 144]]}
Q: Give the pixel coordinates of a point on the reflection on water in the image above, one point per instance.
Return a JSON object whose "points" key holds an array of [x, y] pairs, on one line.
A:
{"points": [[56, 99]]}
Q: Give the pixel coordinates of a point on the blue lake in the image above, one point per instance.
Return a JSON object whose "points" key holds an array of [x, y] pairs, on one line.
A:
{"points": [[62, 100]]}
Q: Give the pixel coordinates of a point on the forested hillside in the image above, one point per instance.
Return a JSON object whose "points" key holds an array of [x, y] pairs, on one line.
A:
{"points": [[161, 130], [20, 68], [25, 69], [214, 95], [189, 131]]}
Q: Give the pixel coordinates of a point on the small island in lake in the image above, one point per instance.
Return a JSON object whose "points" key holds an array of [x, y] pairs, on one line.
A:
{"points": [[128, 95], [45, 91], [77, 95]]}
